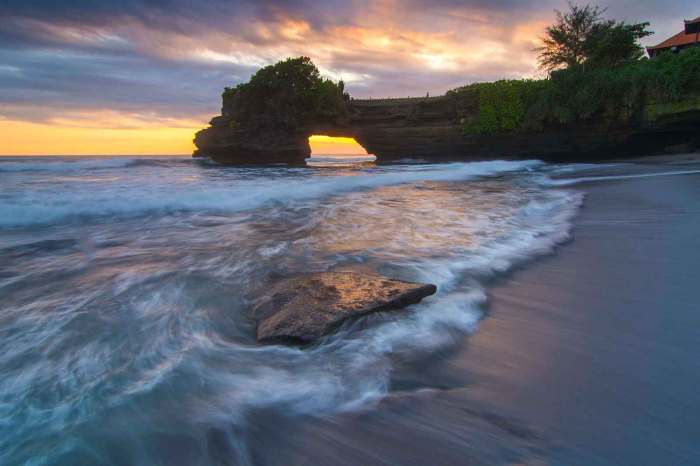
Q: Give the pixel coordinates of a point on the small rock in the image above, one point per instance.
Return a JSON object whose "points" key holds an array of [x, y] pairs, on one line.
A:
{"points": [[306, 308]]}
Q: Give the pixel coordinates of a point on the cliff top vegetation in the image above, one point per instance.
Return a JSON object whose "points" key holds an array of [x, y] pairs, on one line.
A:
{"points": [[288, 95], [596, 70]]}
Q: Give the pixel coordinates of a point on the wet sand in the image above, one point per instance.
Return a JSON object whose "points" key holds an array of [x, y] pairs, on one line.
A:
{"points": [[590, 356]]}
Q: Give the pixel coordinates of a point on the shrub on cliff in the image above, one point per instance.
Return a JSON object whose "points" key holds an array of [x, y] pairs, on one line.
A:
{"points": [[288, 95], [595, 70], [503, 105], [570, 96], [616, 94]]}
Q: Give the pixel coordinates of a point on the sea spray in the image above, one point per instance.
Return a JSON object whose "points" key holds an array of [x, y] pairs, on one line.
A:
{"points": [[38, 199]]}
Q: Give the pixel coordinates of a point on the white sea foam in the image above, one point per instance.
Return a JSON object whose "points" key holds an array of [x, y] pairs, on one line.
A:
{"points": [[56, 201], [339, 161], [64, 164], [588, 179], [351, 370], [151, 327]]}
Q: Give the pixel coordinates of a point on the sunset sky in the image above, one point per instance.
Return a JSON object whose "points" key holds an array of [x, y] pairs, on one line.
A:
{"points": [[140, 77]]}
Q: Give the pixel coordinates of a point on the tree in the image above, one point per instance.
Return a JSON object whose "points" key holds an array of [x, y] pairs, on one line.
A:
{"points": [[582, 38], [612, 44], [564, 43], [289, 95]]}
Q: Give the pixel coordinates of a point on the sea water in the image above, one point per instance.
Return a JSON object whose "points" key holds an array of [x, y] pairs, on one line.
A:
{"points": [[126, 286]]}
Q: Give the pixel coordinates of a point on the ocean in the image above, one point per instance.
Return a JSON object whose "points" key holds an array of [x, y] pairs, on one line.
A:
{"points": [[127, 285]]}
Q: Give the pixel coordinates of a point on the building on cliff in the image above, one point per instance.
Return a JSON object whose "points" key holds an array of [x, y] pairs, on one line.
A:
{"points": [[688, 37]]}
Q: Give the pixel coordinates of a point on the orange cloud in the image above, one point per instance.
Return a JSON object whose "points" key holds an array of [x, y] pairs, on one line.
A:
{"points": [[467, 41]]}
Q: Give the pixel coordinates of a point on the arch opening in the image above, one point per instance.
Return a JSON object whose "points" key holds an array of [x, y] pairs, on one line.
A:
{"points": [[337, 151], [335, 146]]}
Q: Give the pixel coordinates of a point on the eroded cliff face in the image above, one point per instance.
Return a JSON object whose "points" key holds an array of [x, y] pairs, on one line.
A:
{"points": [[226, 144], [432, 129]]}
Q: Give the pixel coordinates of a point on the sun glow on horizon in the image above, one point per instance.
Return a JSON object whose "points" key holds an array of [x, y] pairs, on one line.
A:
{"points": [[331, 145], [25, 139]]}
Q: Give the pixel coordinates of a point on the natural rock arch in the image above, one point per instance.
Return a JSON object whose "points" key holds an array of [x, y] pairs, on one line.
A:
{"points": [[269, 120], [390, 129]]}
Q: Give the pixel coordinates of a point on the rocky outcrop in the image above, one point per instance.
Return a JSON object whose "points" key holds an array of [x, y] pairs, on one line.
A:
{"points": [[432, 129], [228, 145], [303, 309]]}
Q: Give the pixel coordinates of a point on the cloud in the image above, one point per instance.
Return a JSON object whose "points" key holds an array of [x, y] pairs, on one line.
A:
{"points": [[170, 59]]}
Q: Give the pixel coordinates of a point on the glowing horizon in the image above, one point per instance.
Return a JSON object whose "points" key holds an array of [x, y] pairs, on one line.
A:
{"points": [[58, 140], [329, 145], [143, 77], [21, 138]]}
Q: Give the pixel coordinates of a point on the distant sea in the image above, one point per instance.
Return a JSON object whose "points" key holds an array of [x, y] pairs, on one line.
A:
{"points": [[127, 283]]}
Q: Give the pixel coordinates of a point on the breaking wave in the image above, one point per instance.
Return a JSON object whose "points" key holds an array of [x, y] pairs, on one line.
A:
{"points": [[588, 179], [72, 164], [128, 334], [133, 193]]}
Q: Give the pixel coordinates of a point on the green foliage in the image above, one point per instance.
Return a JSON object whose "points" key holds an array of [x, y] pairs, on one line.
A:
{"points": [[581, 37], [611, 44], [573, 96], [564, 42], [616, 93], [502, 105], [287, 95]]}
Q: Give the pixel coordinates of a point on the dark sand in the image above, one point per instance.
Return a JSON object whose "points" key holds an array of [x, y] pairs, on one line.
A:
{"points": [[590, 356]]}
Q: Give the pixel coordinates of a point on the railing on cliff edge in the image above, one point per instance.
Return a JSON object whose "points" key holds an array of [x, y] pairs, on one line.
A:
{"points": [[396, 100]]}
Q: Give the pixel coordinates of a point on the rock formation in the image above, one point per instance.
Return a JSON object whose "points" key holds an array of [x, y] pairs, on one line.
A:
{"points": [[235, 146], [305, 308], [432, 129]]}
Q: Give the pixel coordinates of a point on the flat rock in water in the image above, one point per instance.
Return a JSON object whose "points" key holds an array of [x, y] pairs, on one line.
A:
{"points": [[306, 308]]}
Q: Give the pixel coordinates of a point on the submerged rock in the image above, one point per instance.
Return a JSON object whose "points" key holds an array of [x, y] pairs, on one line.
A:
{"points": [[306, 308]]}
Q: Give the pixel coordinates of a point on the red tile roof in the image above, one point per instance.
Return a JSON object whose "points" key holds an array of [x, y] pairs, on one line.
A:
{"points": [[678, 40]]}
